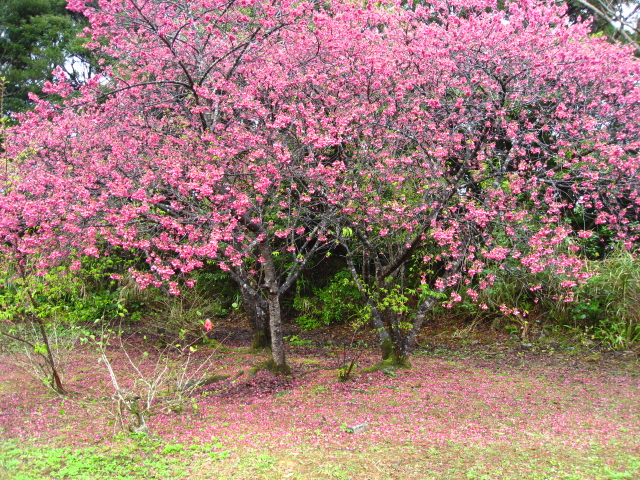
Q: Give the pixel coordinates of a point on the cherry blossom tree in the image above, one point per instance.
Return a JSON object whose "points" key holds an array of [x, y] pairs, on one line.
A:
{"points": [[485, 133], [446, 139], [187, 152]]}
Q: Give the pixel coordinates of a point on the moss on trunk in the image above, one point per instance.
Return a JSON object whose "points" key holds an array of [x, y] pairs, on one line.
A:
{"points": [[391, 364], [386, 348], [271, 366], [261, 341]]}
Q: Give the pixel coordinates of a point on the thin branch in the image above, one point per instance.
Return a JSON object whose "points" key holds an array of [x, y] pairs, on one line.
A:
{"points": [[610, 17]]}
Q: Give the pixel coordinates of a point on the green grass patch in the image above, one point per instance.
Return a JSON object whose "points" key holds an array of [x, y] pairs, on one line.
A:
{"points": [[130, 459], [144, 459]]}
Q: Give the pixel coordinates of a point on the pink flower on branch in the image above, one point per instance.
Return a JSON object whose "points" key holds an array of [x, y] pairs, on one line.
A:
{"points": [[208, 325]]}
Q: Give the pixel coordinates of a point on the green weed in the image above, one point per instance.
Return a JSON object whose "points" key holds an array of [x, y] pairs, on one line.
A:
{"points": [[119, 462]]}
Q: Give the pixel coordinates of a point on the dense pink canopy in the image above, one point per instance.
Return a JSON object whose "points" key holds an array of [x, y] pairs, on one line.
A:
{"points": [[240, 131]]}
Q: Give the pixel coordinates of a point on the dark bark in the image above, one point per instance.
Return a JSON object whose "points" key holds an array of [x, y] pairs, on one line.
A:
{"points": [[397, 334], [404, 341], [257, 311], [273, 301], [277, 338], [265, 315], [56, 382], [424, 308]]}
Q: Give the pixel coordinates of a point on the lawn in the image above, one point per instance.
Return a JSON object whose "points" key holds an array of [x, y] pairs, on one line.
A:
{"points": [[487, 412]]}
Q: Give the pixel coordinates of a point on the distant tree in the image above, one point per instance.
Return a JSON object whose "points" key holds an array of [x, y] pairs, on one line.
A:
{"points": [[618, 19], [36, 36]]}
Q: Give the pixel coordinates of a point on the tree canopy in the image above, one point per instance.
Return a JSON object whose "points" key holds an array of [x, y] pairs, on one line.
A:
{"points": [[452, 138]]}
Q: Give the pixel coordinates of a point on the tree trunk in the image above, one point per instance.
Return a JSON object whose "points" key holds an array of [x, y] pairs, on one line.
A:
{"points": [[277, 339], [262, 329], [418, 321], [56, 381], [257, 311], [404, 341], [401, 350], [376, 322], [394, 348], [386, 344], [275, 318]]}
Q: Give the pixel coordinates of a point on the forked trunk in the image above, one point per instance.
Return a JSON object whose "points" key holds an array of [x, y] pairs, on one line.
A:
{"points": [[56, 381], [376, 322], [424, 308]]}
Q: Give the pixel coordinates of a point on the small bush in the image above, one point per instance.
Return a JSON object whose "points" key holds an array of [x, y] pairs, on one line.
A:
{"points": [[179, 318], [512, 292], [336, 302], [44, 315]]}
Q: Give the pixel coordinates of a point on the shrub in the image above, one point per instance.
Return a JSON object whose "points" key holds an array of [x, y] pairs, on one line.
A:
{"points": [[179, 318], [609, 300], [336, 302]]}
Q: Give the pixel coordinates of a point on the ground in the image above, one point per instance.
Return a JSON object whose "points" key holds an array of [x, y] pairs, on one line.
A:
{"points": [[474, 406]]}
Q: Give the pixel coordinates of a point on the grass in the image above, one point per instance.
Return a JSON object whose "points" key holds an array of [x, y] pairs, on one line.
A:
{"points": [[120, 461], [141, 459], [454, 415]]}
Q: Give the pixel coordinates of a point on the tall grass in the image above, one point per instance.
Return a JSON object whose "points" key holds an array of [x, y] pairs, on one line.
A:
{"points": [[613, 293]]}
